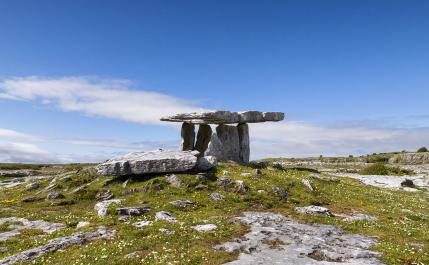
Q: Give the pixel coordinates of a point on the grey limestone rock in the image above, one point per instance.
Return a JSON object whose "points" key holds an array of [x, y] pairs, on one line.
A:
{"points": [[182, 203], [206, 163], [101, 207], [165, 216], [149, 163], [135, 210], [205, 227], [225, 117], [203, 138], [244, 142], [313, 209]]}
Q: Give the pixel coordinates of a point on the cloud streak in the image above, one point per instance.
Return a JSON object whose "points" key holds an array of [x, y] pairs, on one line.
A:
{"points": [[107, 98]]}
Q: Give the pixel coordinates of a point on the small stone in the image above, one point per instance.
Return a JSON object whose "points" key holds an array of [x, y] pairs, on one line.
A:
{"points": [[360, 217], [258, 172], [101, 207], [215, 196], [104, 195], [124, 218], [206, 163], [82, 224], [167, 231], [174, 180], [261, 191], [33, 186], [165, 216], [182, 203], [136, 210], [407, 183], [65, 179], [246, 174], [279, 191], [124, 185], [54, 195], [307, 183], [142, 224], [313, 209], [224, 182], [241, 187], [201, 187], [30, 199], [204, 228], [132, 255]]}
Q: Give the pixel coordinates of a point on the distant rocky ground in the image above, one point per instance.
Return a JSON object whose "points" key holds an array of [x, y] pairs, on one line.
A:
{"points": [[276, 211]]}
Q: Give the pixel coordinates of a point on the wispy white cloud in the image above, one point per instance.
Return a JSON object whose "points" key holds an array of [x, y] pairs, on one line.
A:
{"points": [[92, 96], [292, 139]]}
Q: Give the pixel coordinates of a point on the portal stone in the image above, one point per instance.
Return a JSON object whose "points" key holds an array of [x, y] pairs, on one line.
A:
{"points": [[203, 138], [228, 136], [215, 148], [244, 142], [188, 136]]}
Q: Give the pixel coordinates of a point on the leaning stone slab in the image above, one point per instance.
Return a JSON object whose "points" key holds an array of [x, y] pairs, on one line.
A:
{"points": [[139, 163], [225, 117]]}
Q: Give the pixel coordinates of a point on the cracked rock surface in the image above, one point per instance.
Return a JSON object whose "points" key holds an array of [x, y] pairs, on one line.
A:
{"points": [[276, 239]]}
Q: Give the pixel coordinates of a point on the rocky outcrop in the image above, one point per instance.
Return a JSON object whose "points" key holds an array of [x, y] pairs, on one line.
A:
{"points": [[298, 244], [57, 244], [410, 158], [22, 223]]}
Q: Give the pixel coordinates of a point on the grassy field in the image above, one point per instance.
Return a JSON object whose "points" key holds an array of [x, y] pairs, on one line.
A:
{"points": [[402, 228]]}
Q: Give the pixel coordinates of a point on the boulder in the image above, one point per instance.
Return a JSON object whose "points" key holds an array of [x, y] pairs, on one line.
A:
{"points": [[280, 192], [139, 163], [165, 216], [54, 195], [215, 196], [313, 209], [136, 210], [205, 227], [32, 186], [182, 203], [206, 163], [174, 180], [188, 136], [142, 224], [101, 207]]}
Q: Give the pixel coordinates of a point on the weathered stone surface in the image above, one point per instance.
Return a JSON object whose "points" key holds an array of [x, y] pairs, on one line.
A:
{"points": [[215, 147], [165, 216], [206, 163], [136, 210], [104, 195], [57, 244], [188, 136], [244, 142], [203, 138], [225, 117], [182, 203], [33, 186], [279, 191], [149, 162], [54, 195], [166, 231], [82, 224], [22, 223], [308, 184], [228, 136], [216, 196], [142, 224], [205, 227], [174, 180], [299, 244], [313, 209], [101, 207]]}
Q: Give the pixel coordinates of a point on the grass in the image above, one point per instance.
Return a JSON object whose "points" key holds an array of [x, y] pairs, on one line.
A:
{"points": [[382, 169], [402, 228]]}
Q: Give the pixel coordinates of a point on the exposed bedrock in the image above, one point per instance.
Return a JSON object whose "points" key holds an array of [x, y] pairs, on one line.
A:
{"points": [[203, 138], [188, 136]]}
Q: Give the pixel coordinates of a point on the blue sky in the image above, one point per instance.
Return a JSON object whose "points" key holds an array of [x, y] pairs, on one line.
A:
{"points": [[85, 80]]}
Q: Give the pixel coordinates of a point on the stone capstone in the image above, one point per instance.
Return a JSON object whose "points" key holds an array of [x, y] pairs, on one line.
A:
{"points": [[225, 117], [139, 163]]}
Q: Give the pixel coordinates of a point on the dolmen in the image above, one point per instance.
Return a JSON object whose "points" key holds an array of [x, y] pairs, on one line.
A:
{"points": [[229, 141]]}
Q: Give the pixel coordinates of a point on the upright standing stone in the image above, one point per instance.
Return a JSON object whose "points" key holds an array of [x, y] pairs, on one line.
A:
{"points": [[203, 138], [215, 148], [188, 136], [243, 136], [228, 136]]}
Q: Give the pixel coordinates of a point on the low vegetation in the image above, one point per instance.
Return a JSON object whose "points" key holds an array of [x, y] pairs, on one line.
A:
{"points": [[402, 228], [383, 169]]}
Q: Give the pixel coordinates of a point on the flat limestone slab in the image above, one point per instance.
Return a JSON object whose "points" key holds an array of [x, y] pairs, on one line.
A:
{"points": [[225, 117], [140, 163]]}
